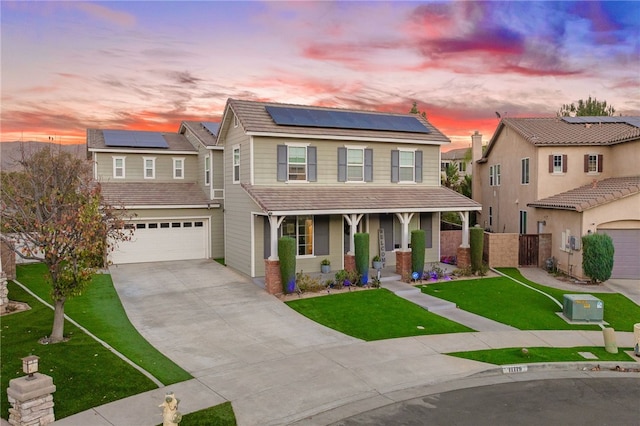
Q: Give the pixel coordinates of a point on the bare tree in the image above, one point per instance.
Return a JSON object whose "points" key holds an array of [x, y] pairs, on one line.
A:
{"points": [[53, 212]]}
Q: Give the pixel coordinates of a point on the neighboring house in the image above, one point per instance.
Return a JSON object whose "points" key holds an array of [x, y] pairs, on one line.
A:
{"points": [[320, 175], [568, 177], [461, 158], [172, 185]]}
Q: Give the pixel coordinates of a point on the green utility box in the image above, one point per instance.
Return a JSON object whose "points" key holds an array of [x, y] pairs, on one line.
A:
{"points": [[583, 307]]}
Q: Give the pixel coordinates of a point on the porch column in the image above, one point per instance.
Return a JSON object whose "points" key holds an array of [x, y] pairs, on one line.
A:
{"points": [[404, 219], [353, 220], [274, 222], [464, 216]]}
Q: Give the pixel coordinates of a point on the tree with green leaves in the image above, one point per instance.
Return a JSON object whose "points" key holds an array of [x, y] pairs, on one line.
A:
{"points": [[414, 110], [52, 212], [590, 107], [451, 177], [597, 257]]}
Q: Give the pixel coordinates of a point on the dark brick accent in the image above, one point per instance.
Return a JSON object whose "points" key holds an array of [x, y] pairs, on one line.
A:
{"points": [[272, 278], [464, 257], [403, 264], [349, 262]]}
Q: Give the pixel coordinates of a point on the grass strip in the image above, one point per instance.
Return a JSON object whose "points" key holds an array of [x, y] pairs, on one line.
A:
{"points": [[220, 415], [541, 354], [85, 373], [374, 315], [100, 311]]}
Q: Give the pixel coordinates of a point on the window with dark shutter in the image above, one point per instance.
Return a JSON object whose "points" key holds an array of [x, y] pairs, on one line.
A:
{"points": [[312, 164], [368, 165], [342, 164], [282, 163], [418, 166]]}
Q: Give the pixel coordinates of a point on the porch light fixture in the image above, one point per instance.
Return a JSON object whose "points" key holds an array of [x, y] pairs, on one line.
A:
{"points": [[30, 366]]}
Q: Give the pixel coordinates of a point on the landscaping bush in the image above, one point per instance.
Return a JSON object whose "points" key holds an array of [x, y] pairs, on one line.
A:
{"points": [[417, 251], [287, 256], [307, 283], [597, 257], [476, 242], [361, 241]]}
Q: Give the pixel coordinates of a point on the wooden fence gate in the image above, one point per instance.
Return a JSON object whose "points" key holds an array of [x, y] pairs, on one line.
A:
{"points": [[528, 250]]}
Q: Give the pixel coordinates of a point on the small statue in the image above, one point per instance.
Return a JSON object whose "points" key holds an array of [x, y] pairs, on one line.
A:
{"points": [[170, 414]]}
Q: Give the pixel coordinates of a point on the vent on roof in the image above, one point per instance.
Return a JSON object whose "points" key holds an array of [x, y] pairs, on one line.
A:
{"points": [[211, 127], [133, 139], [307, 117]]}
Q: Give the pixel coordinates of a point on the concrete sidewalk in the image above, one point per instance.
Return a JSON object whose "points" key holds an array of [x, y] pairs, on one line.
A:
{"points": [[278, 367]]}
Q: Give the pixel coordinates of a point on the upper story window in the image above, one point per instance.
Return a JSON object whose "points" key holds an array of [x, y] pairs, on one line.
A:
{"points": [[524, 171], [443, 166], [296, 163], [149, 167], [495, 175], [462, 166], [406, 166], [207, 170], [178, 168], [118, 167], [355, 164], [236, 164], [557, 163], [593, 163]]}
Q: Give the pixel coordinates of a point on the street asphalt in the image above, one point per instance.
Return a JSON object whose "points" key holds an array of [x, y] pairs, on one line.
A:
{"points": [[278, 367]]}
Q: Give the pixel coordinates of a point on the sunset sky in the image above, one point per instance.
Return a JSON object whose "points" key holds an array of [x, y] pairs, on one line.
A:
{"points": [[69, 66]]}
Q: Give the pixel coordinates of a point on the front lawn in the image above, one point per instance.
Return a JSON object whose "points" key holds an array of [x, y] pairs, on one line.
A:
{"points": [[374, 315], [85, 373], [508, 302], [99, 310], [534, 355]]}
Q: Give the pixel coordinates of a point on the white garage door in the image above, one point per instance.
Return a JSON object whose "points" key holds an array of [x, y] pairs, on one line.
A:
{"points": [[161, 240], [626, 243]]}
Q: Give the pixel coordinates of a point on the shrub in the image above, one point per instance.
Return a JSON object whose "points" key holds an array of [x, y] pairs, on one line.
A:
{"points": [[476, 242], [361, 241], [417, 251], [597, 257], [287, 256], [306, 283]]}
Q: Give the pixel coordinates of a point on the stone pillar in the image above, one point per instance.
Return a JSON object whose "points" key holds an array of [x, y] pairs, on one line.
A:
{"points": [[403, 264], [4, 293], [272, 278], [464, 257], [349, 262], [31, 401]]}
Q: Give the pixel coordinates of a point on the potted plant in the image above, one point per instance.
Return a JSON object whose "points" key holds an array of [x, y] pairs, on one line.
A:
{"points": [[325, 266], [377, 263]]}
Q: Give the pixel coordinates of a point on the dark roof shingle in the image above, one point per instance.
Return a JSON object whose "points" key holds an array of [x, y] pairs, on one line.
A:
{"points": [[591, 195]]}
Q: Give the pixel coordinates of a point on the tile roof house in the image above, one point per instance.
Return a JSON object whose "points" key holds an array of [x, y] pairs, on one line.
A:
{"points": [[566, 176], [461, 157], [268, 170]]}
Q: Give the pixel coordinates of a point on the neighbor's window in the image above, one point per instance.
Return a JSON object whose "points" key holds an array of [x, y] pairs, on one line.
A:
{"points": [[524, 171], [523, 222], [149, 167], [355, 165], [207, 170], [118, 167], [557, 164], [462, 166], [297, 161], [407, 166], [494, 175], [178, 168], [236, 164], [490, 216], [300, 228], [593, 163]]}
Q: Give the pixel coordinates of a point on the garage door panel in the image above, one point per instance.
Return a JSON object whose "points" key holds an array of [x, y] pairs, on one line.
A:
{"points": [[163, 241], [626, 243]]}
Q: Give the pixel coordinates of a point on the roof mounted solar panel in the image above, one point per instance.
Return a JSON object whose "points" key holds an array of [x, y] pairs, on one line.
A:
{"points": [[211, 127], [631, 120], [134, 139], [307, 117]]}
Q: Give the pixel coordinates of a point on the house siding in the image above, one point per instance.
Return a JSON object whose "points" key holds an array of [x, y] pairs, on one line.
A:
{"points": [[134, 167]]}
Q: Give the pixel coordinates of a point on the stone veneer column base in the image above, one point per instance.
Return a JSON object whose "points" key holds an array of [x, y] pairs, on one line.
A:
{"points": [[403, 264], [349, 262], [31, 401], [272, 278], [464, 257]]}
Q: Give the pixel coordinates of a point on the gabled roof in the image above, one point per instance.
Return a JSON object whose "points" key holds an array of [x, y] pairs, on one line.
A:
{"points": [[592, 195], [255, 120], [175, 141], [556, 131], [455, 154], [299, 199], [205, 131], [149, 194]]}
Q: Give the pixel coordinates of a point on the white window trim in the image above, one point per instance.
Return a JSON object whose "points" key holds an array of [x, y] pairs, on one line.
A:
{"points": [[115, 176], [593, 172], [359, 148], [306, 162], [234, 165], [297, 237], [413, 166], [175, 168], [207, 170], [558, 172], [153, 167]]}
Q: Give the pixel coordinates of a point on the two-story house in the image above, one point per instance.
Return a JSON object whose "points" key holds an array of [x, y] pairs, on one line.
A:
{"points": [[171, 184], [566, 176], [461, 158], [320, 175]]}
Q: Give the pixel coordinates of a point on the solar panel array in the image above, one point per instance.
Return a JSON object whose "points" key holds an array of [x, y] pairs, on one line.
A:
{"points": [[134, 139], [632, 120], [211, 127], [307, 117]]}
